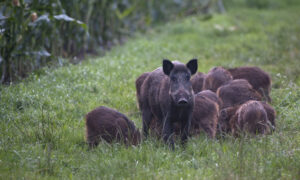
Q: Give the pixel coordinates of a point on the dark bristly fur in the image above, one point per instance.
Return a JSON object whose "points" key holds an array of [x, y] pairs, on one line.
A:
{"points": [[251, 117], [259, 79], [212, 96], [237, 92], [205, 114], [228, 118], [215, 78], [203, 120], [110, 125], [167, 96], [231, 96], [224, 119], [197, 82], [138, 84], [155, 127]]}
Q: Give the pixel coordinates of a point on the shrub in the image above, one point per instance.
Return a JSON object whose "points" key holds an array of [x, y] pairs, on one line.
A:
{"points": [[32, 35]]}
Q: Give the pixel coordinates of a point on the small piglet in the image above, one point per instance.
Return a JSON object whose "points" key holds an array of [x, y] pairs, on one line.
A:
{"points": [[237, 92], [197, 82], [259, 79], [251, 117], [110, 125], [205, 114], [224, 119], [212, 96], [250, 111], [215, 78], [167, 96]]}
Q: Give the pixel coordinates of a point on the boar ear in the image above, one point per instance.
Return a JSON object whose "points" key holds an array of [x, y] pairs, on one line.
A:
{"points": [[167, 66], [192, 65]]}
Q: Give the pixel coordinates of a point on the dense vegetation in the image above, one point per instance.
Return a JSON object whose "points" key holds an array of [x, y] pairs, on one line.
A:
{"points": [[42, 117], [36, 33]]}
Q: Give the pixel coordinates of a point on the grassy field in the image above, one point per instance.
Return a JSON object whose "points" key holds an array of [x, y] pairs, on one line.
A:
{"points": [[42, 118]]}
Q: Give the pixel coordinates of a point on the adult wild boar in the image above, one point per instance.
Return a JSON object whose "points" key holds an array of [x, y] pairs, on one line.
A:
{"points": [[259, 79], [205, 116], [110, 125], [155, 127], [167, 96]]}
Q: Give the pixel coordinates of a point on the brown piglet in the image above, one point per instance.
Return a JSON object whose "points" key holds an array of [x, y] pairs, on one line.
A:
{"points": [[197, 82], [107, 124], [215, 78], [237, 92], [252, 118], [259, 79], [205, 114]]}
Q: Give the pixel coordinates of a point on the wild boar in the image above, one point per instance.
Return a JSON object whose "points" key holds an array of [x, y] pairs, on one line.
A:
{"points": [[205, 114], [237, 92], [215, 78], [212, 96], [251, 117], [197, 82], [259, 79], [110, 125], [225, 115], [167, 95]]}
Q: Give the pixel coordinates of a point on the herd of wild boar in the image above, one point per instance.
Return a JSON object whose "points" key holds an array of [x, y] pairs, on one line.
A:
{"points": [[176, 100]]}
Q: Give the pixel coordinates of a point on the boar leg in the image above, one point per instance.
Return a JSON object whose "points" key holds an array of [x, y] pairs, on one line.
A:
{"points": [[167, 132], [147, 117], [185, 129]]}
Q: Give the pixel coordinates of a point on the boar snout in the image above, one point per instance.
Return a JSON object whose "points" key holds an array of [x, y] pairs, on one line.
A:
{"points": [[182, 101], [181, 97]]}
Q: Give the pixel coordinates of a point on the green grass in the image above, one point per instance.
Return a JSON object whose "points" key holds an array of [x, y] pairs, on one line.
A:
{"points": [[42, 118]]}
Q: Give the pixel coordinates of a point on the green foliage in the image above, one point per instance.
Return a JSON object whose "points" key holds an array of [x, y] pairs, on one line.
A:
{"points": [[42, 118], [36, 33], [32, 35]]}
